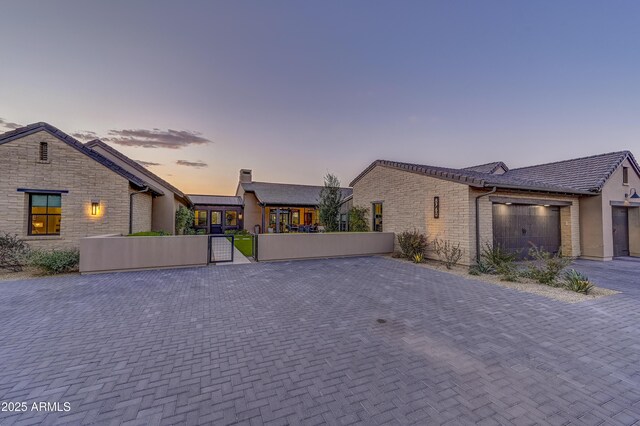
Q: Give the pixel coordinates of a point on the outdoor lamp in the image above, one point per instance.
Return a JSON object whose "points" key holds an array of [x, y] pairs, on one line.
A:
{"points": [[240, 216], [95, 207], [634, 194]]}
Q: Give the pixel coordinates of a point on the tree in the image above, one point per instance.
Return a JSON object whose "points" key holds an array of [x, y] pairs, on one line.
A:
{"points": [[358, 219], [329, 203], [184, 219]]}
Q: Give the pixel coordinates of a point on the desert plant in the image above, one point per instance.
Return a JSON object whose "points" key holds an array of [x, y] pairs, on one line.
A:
{"points": [[13, 252], [55, 261], [184, 219], [411, 243], [449, 252], [358, 219], [499, 261], [575, 281], [418, 258], [546, 267], [329, 203]]}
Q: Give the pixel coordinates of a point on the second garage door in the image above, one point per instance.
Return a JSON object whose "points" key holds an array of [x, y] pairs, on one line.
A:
{"points": [[517, 227]]}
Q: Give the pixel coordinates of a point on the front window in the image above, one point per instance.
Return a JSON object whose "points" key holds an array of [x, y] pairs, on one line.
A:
{"points": [[45, 214], [377, 217], [200, 218], [216, 218], [231, 218]]}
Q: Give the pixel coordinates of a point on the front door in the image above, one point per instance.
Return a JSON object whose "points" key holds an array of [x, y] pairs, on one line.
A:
{"points": [[216, 222], [620, 231]]}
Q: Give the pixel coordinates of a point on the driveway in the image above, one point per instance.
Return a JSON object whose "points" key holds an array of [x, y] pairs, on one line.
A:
{"points": [[343, 341]]}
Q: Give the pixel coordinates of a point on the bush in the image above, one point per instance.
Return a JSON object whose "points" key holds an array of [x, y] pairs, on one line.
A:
{"points": [[237, 232], [149, 234], [451, 253], [13, 252], [358, 219], [500, 261], [546, 267], [418, 258], [481, 268], [55, 261], [411, 243], [575, 281], [184, 219]]}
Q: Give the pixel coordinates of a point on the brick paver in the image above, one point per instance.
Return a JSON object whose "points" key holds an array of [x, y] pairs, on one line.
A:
{"points": [[300, 343]]}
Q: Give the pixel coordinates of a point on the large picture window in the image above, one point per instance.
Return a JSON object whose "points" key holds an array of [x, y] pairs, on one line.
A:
{"points": [[231, 218], [200, 218], [377, 217], [45, 214]]}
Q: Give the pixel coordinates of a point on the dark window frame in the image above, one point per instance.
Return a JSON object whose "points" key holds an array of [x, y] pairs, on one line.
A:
{"points": [[374, 216], [43, 152], [47, 214], [625, 176]]}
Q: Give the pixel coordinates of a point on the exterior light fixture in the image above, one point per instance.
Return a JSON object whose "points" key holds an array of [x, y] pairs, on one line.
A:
{"points": [[240, 216], [508, 204], [545, 205], [95, 207], [633, 194]]}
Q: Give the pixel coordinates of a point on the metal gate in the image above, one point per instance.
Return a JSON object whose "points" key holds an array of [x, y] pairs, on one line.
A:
{"points": [[518, 227], [221, 248], [620, 231]]}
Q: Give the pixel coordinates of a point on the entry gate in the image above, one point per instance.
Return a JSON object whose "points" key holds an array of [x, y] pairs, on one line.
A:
{"points": [[221, 248]]}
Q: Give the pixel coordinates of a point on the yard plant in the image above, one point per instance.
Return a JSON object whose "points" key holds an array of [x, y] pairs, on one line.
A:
{"points": [[13, 252], [412, 243], [575, 281], [449, 252], [546, 267], [184, 219], [358, 219], [497, 260], [55, 261], [329, 203]]}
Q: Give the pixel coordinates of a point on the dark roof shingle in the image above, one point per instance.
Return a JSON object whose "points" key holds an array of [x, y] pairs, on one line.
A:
{"points": [[287, 194], [216, 200]]}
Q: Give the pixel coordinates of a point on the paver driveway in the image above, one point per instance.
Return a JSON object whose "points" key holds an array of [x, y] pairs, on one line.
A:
{"points": [[299, 342]]}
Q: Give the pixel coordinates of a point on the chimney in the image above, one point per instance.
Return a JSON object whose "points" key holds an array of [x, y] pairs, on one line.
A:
{"points": [[245, 176]]}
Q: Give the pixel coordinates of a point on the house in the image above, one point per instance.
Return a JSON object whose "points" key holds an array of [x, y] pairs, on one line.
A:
{"points": [[279, 207], [217, 214], [56, 190], [585, 207]]}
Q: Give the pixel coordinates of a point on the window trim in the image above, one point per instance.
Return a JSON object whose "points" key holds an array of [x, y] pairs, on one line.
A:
{"points": [[625, 175], [30, 215], [43, 152], [373, 216]]}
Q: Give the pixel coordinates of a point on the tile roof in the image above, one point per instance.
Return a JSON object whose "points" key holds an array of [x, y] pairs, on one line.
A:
{"points": [[74, 143], [582, 176], [488, 168], [216, 200], [137, 166], [287, 194]]}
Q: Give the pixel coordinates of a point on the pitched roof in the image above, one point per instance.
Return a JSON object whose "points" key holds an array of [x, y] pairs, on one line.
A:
{"points": [[79, 146], [287, 194], [586, 173], [488, 168], [216, 200], [141, 170]]}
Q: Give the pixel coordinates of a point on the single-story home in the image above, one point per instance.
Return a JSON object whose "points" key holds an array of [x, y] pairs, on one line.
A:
{"points": [[55, 189], [217, 214], [279, 207], [585, 207]]}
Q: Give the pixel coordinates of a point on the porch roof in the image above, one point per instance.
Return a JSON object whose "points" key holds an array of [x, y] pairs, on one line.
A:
{"points": [[285, 194]]}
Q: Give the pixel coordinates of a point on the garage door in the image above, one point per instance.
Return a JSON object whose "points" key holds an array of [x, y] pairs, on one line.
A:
{"points": [[517, 227]]}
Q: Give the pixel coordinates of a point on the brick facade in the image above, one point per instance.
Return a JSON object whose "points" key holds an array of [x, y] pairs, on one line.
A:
{"points": [[70, 170], [142, 207]]}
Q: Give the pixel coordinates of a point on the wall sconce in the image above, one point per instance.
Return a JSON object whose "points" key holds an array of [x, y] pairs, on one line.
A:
{"points": [[95, 207], [633, 194], [240, 216]]}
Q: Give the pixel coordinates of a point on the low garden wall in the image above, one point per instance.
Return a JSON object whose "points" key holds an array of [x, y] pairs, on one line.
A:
{"points": [[308, 246], [108, 253]]}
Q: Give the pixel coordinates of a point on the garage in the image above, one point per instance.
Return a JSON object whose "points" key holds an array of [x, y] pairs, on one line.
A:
{"points": [[518, 227]]}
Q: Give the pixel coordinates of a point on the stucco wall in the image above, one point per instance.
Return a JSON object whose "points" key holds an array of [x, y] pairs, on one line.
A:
{"points": [[307, 246], [252, 210], [68, 169]]}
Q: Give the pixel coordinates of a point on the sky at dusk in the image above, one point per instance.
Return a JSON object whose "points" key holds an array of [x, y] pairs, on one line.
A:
{"points": [[293, 90]]}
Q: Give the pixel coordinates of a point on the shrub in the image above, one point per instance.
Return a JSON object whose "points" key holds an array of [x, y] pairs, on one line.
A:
{"points": [[500, 261], [451, 253], [418, 258], [237, 232], [329, 203], [149, 234], [358, 219], [13, 252], [411, 243], [575, 281], [546, 267], [481, 268], [184, 219], [55, 261]]}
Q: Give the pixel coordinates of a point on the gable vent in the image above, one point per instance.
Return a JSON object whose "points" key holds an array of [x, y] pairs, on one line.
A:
{"points": [[44, 151]]}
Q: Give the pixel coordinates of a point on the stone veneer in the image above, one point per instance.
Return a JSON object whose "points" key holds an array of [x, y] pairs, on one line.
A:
{"points": [[70, 170]]}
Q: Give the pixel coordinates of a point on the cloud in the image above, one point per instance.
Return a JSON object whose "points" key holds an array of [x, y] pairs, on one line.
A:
{"points": [[9, 125], [147, 163], [156, 138], [196, 164], [85, 135]]}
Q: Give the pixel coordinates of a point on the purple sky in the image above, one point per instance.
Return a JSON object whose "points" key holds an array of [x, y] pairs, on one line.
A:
{"points": [[293, 90]]}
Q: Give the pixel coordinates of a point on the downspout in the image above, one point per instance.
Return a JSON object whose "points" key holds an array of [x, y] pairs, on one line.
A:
{"points": [[131, 208], [478, 221]]}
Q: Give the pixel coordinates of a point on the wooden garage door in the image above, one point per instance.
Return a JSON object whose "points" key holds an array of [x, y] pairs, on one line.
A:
{"points": [[517, 227]]}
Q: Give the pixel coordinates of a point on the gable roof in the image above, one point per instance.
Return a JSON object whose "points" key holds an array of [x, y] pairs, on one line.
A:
{"points": [[586, 173], [488, 168], [579, 176], [216, 200], [79, 146], [287, 194], [97, 143]]}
